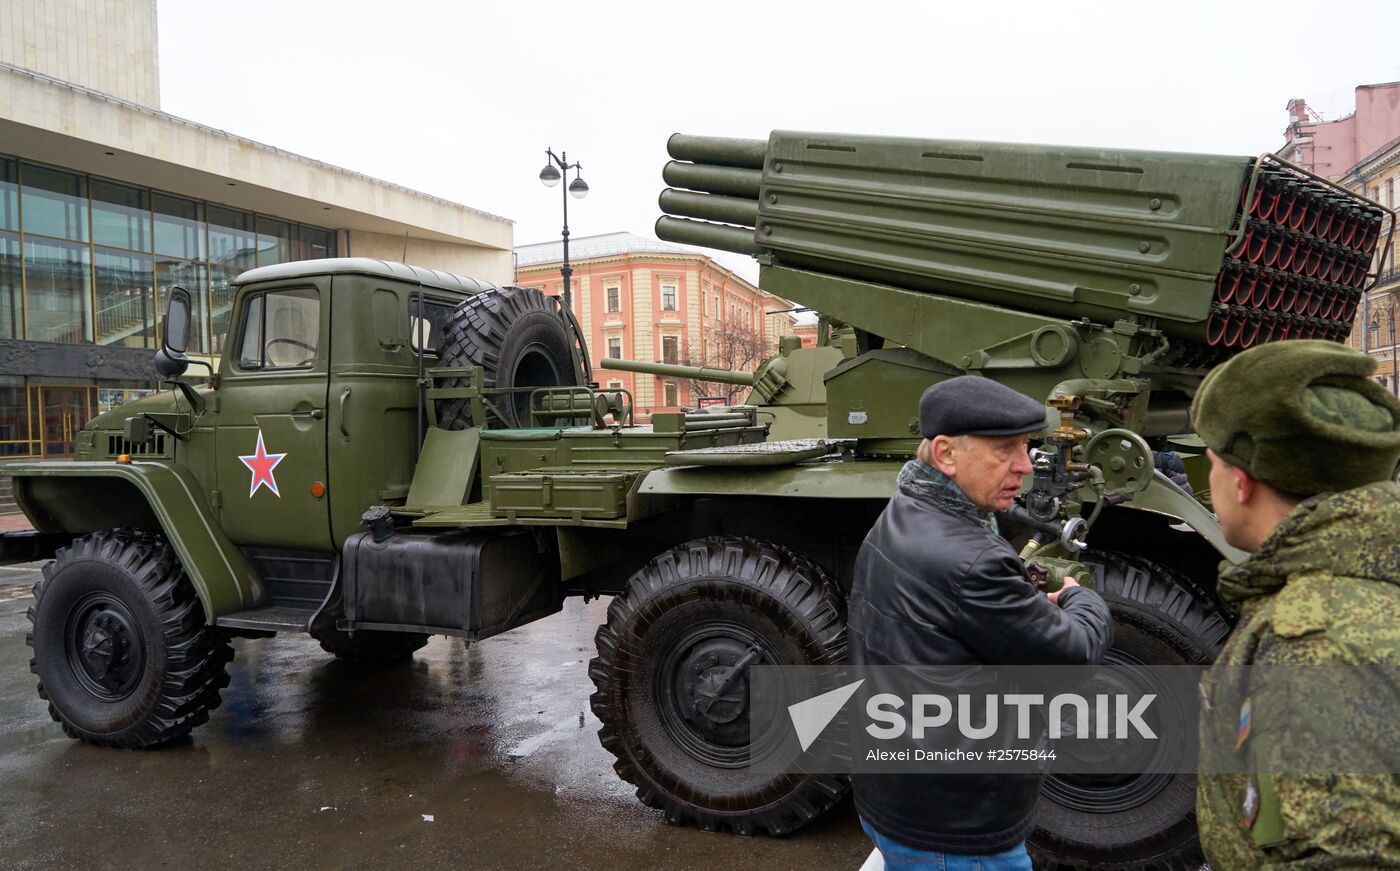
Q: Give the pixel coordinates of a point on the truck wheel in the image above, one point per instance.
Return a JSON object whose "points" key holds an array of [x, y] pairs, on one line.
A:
{"points": [[686, 619], [516, 336], [370, 646], [1141, 820], [121, 648]]}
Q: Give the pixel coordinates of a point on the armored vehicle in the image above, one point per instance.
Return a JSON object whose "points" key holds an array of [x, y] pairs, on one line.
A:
{"points": [[387, 453]]}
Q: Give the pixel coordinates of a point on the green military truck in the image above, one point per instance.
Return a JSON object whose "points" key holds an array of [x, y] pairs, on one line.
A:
{"points": [[387, 453]]}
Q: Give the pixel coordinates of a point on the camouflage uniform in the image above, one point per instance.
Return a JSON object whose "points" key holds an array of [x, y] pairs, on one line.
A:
{"points": [[1338, 555]]}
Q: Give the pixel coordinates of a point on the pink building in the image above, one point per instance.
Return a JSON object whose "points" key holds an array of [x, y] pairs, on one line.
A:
{"points": [[640, 299], [1330, 148]]}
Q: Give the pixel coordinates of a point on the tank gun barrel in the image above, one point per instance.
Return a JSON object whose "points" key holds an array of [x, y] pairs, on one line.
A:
{"points": [[672, 370]]}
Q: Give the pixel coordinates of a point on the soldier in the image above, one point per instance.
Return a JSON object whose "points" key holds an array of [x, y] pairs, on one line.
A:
{"points": [[1297, 772]]}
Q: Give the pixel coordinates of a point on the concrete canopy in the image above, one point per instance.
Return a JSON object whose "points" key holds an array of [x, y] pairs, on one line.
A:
{"points": [[57, 122]]}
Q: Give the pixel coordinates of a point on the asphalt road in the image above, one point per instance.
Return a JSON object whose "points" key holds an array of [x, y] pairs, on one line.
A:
{"points": [[464, 758]]}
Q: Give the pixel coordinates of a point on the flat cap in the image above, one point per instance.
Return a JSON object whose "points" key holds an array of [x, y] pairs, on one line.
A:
{"points": [[973, 405], [1302, 415]]}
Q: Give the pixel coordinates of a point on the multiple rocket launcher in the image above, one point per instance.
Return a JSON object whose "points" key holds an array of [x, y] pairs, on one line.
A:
{"points": [[1217, 252]]}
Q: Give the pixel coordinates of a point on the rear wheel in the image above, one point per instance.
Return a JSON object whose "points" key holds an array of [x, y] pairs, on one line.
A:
{"points": [[516, 335], [1137, 820], [672, 689], [121, 648], [369, 646]]}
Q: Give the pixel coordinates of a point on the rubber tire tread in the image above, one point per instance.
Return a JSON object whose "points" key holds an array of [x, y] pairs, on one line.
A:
{"points": [[783, 578], [371, 647], [196, 654], [475, 334], [1184, 614]]}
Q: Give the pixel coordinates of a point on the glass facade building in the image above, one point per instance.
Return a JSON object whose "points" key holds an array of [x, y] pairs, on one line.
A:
{"points": [[85, 266]]}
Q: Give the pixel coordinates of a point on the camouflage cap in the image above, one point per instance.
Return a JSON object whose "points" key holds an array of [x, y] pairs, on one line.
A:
{"points": [[1302, 415]]}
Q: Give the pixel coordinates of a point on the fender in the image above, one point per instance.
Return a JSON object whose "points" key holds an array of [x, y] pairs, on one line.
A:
{"points": [[1161, 496], [80, 497]]}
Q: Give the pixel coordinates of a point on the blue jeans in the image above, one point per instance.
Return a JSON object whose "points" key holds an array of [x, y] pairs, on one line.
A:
{"points": [[898, 857]]}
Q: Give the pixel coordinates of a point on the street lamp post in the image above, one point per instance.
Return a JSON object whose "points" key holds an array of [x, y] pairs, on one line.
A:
{"points": [[556, 168]]}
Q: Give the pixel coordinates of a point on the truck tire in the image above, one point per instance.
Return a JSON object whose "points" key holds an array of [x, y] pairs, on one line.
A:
{"points": [[516, 336], [1145, 820], [370, 646], [123, 654], [695, 610]]}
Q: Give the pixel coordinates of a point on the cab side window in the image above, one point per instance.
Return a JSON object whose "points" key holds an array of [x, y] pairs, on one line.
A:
{"points": [[281, 330], [426, 326]]}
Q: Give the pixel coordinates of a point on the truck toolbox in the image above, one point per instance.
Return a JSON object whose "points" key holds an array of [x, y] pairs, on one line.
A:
{"points": [[576, 495]]}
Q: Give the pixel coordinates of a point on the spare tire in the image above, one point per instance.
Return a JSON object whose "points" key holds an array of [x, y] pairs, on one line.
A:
{"points": [[515, 334]]}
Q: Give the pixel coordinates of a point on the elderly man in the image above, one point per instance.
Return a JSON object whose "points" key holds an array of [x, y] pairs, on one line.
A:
{"points": [[1302, 446], [935, 584]]}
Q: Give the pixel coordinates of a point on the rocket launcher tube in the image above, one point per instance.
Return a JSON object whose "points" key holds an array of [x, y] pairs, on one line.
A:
{"points": [[716, 150], [725, 238], [710, 207], [713, 179]]}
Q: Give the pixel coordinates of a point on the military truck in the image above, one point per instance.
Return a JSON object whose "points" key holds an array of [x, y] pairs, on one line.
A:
{"points": [[387, 453]]}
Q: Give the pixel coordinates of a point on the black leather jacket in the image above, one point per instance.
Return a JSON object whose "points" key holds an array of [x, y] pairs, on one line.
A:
{"points": [[936, 585]]}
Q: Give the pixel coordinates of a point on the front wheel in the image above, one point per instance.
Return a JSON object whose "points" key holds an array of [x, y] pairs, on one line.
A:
{"points": [[672, 688], [121, 648], [1144, 820]]}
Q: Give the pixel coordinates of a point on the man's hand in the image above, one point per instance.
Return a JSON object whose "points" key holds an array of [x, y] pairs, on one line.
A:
{"points": [[1064, 585]]}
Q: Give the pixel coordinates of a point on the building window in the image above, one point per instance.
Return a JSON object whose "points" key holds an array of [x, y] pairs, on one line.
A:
{"points": [[670, 350], [15, 438], [121, 216], [275, 241], [615, 348], [9, 194], [54, 202], [671, 393], [11, 308], [614, 385], [613, 293], [126, 299], [316, 244], [668, 297], [58, 277]]}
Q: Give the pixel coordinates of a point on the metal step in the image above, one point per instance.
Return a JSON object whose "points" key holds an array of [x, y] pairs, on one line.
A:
{"points": [[271, 618]]}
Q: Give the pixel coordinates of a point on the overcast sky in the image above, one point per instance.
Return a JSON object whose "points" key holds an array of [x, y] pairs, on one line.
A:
{"points": [[460, 99]]}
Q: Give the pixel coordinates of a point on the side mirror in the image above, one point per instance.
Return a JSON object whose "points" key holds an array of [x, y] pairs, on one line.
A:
{"points": [[171, 361]]}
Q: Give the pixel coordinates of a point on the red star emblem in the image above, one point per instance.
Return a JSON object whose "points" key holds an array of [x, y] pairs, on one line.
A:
{"points": [[261, 464]]}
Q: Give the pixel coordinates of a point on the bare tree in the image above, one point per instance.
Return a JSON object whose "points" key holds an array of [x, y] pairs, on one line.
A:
{"points": [[728, 345]]}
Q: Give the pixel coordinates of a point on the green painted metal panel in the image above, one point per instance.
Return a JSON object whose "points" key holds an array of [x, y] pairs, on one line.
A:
{"points": [[867, 479], [1063, 231], [222, 577], [446, 468], [283, 410], [372, 413]]}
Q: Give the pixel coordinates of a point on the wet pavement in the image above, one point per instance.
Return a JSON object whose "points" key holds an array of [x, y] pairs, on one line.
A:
{"points": [[485, 757]]}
